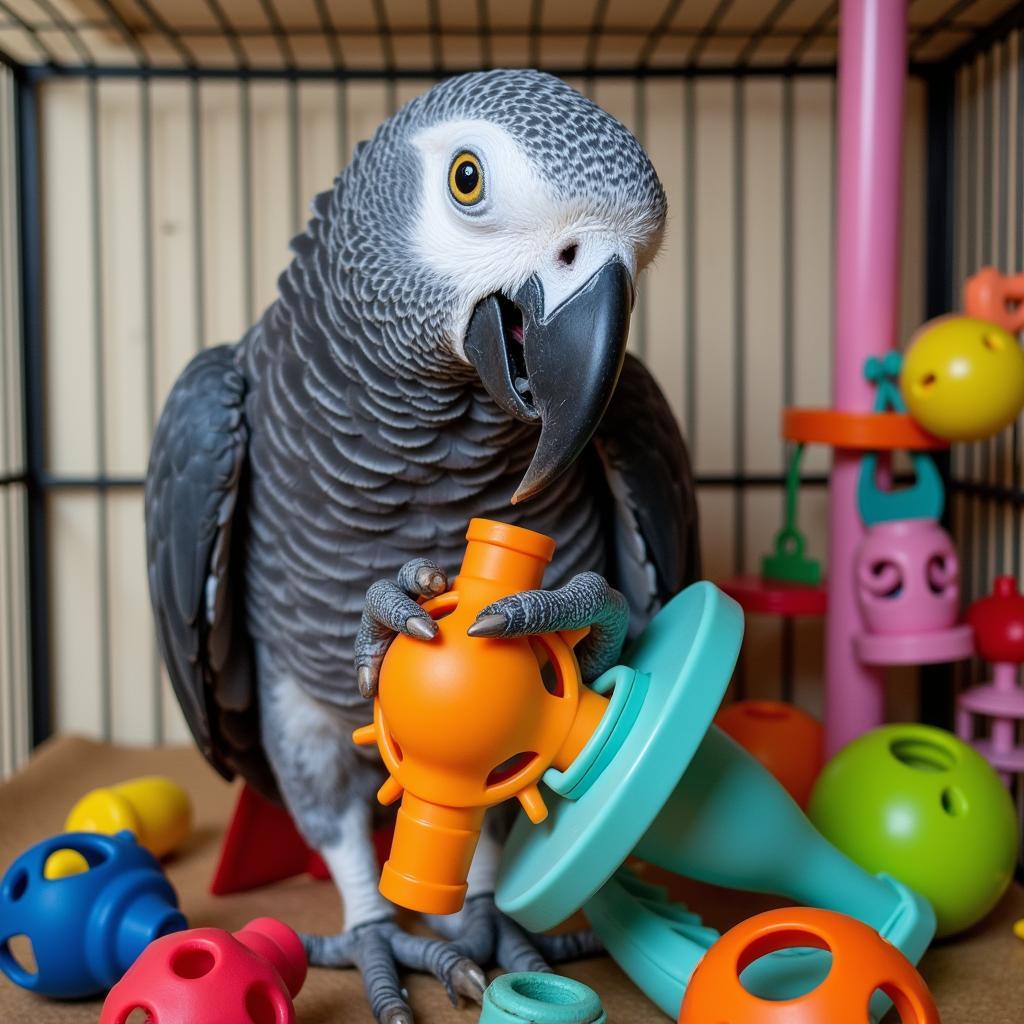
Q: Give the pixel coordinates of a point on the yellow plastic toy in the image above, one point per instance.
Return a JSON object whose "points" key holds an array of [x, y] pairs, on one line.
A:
{"points": [[157, 810], [963, 378]]}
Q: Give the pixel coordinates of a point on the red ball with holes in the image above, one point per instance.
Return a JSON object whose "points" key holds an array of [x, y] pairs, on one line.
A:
{"points": [[998, 623], [863, 963], [210, 976], [787, 741]]}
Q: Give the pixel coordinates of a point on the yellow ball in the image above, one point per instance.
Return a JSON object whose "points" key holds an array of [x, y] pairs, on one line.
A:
{"points": [[963, 379]]}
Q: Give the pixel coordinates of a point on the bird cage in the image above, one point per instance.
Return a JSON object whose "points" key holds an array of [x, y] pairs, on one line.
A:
{"points": [[155, 160]]}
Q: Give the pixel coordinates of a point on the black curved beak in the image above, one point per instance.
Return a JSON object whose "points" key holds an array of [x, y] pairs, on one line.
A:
{"points": [[558, 370]]}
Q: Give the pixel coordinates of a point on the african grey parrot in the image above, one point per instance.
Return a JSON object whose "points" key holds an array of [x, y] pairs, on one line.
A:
{"points": [[448, 342]]}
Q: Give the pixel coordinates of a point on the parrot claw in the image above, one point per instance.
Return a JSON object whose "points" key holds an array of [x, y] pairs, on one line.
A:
{"points": [[367, 681], [489, 626], [469, 980], [421, 627], [380, 949], [430, 581]]}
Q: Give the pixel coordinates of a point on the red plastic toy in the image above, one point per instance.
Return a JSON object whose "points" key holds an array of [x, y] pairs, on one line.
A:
{"points": [[862, 962], [210, 976], [787, 741], [998, 623]]}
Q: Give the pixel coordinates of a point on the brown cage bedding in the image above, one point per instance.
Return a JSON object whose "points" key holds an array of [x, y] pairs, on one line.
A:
{"points": [[976, 979]]}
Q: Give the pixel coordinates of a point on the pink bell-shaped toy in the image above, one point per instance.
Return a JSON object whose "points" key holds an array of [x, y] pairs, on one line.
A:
{"points": [[907, 577]]}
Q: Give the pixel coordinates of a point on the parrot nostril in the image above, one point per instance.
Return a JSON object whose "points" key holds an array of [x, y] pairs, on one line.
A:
{"points": [[568, 255]]}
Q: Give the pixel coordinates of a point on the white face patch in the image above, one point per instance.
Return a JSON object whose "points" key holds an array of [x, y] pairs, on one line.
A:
{"points": [[519, 228]]}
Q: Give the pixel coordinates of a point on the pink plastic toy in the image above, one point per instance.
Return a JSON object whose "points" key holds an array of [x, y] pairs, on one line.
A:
{"points": [[908, 590], [210, 976], [998, 622]]}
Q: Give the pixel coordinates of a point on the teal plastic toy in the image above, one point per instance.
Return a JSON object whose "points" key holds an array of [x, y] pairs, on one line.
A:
{"points": [[926, 497], [666, 784], [918, 803], [533, 998], [788, 561]]}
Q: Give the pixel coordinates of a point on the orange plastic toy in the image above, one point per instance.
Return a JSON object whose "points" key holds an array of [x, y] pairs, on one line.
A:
{"points": [[862, 963], [989, 295], [463, 723], [786, 740]]}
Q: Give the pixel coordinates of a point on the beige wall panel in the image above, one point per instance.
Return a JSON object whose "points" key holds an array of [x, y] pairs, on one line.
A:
{"points": [[76, 633], [813, 187], [764, 293], [223, 228], [716, 507], [321, 140], [68, 279], [715, 279], [131, 639], [662, 289], [122, 212], [178, 334], [272, 214]]}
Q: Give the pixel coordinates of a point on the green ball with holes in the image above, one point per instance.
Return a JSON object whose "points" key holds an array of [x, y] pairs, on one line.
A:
{"points": [[916, 803]]}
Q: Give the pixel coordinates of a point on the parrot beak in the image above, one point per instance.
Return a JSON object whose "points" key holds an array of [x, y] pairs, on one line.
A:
{"points": [[557, 368]]}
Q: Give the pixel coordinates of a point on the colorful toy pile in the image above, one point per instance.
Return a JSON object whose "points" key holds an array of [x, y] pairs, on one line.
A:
{"points": [[633, 766]]}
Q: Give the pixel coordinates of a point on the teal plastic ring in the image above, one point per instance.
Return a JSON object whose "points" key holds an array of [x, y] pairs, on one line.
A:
{"points": [[531, 997]]}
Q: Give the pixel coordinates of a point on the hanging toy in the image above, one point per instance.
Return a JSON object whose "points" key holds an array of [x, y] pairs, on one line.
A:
{"points": [[788, 562], [906, 569], [998, 622]]}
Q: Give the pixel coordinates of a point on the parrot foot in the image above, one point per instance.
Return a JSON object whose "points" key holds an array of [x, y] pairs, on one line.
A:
{"points": [[586, 600], [379, 949], [486, 935]]}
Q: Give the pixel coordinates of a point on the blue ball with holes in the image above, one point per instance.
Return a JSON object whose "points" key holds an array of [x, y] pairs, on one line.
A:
{"points": [[85, 930]]}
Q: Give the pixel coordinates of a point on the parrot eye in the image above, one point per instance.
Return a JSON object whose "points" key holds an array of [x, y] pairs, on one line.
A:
{"points": [[466, 179]]}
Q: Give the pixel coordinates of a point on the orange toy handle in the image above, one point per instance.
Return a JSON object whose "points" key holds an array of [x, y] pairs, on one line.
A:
{"points": [[862, 963], [989, 295]]}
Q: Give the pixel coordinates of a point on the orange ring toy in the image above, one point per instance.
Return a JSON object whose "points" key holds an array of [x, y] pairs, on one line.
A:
{"points": [[859, 431], [862, 963]]}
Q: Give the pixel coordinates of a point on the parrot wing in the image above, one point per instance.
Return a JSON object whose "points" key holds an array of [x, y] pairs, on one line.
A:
{"points": [[192, 508], [656, 540]]}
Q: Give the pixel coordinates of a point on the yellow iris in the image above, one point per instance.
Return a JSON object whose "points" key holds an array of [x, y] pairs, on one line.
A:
{"points": [[466, 179]]}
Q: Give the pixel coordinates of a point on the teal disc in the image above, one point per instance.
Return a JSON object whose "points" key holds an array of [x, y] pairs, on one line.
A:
{"points": [[688, 652]]}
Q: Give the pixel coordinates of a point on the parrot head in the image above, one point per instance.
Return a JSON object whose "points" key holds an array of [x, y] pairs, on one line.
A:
{"points": [[502, 219]]}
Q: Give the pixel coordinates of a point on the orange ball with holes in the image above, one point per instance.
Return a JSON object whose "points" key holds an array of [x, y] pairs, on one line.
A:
{"points": [[789, 742], [862, 963]]}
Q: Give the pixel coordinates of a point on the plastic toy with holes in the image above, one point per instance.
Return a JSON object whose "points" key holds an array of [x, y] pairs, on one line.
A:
{"points": [[924, 807], [724, 986], [963, 377], [88, 928], [210, 976], [465, 723], [156, 810], [998, 622], [633, 764], [906, 569]]}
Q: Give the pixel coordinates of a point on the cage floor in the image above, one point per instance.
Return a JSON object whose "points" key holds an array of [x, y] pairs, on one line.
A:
{"points": [[979, 977]]}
